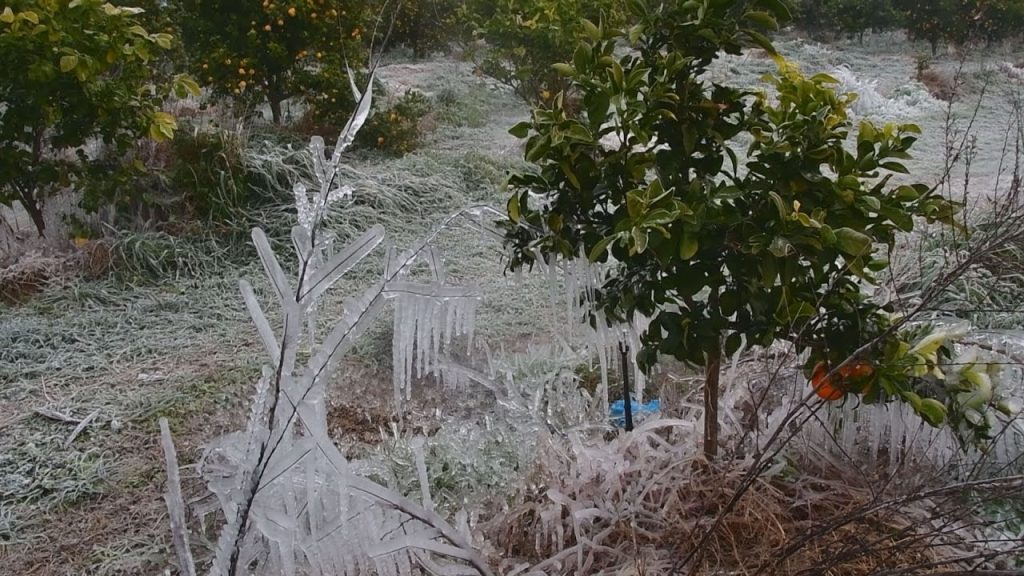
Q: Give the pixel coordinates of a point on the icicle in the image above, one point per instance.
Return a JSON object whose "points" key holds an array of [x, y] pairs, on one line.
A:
{"points": [[436, 336], [471, 305], [451, 313], [420, 346], [417, 446]]}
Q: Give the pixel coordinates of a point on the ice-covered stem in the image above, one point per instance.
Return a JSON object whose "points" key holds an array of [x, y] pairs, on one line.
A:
{"points": [[302, 388], [285, 444], [176, 503]]}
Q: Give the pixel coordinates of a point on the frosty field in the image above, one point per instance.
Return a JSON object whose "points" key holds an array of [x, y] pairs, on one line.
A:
{"points": [[88, 367]]}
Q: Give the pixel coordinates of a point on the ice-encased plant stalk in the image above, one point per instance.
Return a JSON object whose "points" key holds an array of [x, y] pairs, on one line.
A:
{"points": [[290, 502]]}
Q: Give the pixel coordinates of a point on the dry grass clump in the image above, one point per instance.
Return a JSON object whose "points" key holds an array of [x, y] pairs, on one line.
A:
{"points": [[642, 502], [29, 275], [32, 272], [941, 85]]}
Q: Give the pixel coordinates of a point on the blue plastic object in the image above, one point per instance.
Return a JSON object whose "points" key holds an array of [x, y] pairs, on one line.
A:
{"points": [[617, 410]]}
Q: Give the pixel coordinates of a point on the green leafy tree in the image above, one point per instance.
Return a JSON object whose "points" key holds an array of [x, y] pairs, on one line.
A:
{"points": [[998, 20], [932, 20], [776, 247], [855, 17], [525, 37], [849, 17], [75, 72], [423, 26], [816, 16], [255, 53]]}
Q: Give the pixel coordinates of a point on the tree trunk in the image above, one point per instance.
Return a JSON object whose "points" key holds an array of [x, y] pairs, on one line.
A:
{"points": [[935, 46], [275, 108], [34, 209], [712, 370], [28, 190], [275, 97]]}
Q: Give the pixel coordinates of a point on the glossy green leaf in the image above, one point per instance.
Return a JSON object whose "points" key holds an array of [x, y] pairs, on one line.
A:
{"points": [[520, 130], [932, 411], [762, 18], [688, 245], [68, 62], [640, 239], [600, 248], [761, 40], [514, 212], [563, 69], [852, 242]]}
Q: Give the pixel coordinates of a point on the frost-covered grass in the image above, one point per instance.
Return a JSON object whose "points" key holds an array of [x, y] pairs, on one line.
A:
{"points": [[167, 336]]}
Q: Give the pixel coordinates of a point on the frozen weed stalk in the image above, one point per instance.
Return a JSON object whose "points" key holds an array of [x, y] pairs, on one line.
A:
{"points": [[291, 504]]}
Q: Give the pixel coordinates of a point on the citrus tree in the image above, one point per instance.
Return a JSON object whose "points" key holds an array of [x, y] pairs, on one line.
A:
{"points": [[525, 37], [713, 243], [855, 17], [1000, 20], [257, 52], [815, 16], [422, 26], [933, 20], [74, 73], [849, 17]]}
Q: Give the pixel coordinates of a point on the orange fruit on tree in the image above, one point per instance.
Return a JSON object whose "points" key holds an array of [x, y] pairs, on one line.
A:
{"points": [[857, 370], [822, 385]]}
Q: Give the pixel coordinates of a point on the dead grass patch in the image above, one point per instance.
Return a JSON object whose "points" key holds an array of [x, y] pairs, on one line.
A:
{"points": [[643, 501], [29, 275], [357, 424], [942, 86]]}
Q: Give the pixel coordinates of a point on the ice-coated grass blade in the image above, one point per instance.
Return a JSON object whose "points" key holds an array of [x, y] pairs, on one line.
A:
{"points": [[302, 242], [176, 503], [273, 269], [341, 263], [356, 121], [260, 320]]}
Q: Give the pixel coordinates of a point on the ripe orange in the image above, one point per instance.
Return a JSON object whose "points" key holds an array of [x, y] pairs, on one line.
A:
{"points": [[857, 370], [822, 385]]}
